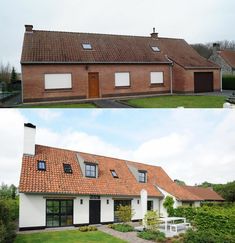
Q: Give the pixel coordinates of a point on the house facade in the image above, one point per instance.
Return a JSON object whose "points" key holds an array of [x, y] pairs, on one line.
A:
{"points": [[61, 187], [67, 65], [224, 58]]}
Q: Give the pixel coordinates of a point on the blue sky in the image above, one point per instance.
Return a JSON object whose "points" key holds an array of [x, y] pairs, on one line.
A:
{"points": [[191, 145], [195, 20]]}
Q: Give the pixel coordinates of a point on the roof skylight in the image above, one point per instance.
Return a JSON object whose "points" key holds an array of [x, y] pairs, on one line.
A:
{"points": [[87, 46], [155, 48]]}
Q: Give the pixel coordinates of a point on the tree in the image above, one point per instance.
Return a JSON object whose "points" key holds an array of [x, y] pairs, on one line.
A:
{"points": [[151, 220], [13, 75], [168, 205], [5, 73], [179, 182], [125, 213]]}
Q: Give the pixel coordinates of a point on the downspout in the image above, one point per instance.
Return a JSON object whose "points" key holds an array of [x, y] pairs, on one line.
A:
{"points": [[221, 80], [171, 72]]}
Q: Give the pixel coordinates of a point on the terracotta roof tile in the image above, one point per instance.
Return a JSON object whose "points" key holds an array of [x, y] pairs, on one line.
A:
{"points": [[228, 56], [54, 180], [206, 194], [66, 47]]}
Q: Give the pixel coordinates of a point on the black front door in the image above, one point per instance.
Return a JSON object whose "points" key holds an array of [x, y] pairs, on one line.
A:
{"points": [[59, 213], [94, 212]]}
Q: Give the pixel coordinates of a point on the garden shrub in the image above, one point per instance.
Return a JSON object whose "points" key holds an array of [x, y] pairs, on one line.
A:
{"points": [[7, 227], [205, 219], [151, 220], [125, 213], [152, 235], [123, 227], [87, 228], [207, 236], [229, 82], [168, 205]]}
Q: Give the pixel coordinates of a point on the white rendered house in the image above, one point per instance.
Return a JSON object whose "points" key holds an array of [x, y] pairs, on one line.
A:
{"points": [[61, 187]]}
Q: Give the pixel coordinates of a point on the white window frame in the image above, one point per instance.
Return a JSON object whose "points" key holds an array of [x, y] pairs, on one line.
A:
{"points": [[156, 78], [122, 79], [60, 81]]}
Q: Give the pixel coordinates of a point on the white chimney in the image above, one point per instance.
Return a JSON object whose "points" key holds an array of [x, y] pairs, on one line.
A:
{"points": [[29, 139]]}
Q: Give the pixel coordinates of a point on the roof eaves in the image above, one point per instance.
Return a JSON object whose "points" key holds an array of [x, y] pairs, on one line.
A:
{"points": [[40, 62]]}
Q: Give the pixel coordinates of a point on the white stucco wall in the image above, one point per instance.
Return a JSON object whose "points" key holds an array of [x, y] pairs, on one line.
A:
{"points": [[107, 210], [81, 211], [163, 211], [32, 210], [29, 140]]}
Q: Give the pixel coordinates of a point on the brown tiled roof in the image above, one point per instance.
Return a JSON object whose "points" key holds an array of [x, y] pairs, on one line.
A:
{"points": [[228, 56], [206, 194], [54, 180], [66, 47]]}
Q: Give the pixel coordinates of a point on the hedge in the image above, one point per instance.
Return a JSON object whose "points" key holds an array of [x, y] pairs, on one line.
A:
{"points": [[7, 216], [206, 218], [229, 82]]}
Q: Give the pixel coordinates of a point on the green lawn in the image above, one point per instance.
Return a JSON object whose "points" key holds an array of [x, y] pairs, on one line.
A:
{"points": [[84, 105], [69, 236], [179, 100]]}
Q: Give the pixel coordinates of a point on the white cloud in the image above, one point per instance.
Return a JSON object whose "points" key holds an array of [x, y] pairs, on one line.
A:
{"points": [[48, 115], [11, 139]]}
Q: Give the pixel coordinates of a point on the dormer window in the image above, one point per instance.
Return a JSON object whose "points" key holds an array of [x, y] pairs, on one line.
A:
{"points": [[67, 168], [87, 46], [142, 176], [90, 170], [42, 165], [155, 48], [114, 174]]}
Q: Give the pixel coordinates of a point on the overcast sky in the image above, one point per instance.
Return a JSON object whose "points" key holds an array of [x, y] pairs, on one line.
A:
{"points": [[191, 145], [194, 20]]}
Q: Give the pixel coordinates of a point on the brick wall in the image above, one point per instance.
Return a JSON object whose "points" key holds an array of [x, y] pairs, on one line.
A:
{"points": [[33, 80], [183, 79]]}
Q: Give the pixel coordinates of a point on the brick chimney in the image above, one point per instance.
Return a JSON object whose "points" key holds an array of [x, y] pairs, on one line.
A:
{"points": [[29, 139], [216, 47], [154, 34], [29, 28]]}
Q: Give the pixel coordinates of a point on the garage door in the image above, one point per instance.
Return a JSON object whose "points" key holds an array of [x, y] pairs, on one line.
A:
{"points": [[203, 82]]}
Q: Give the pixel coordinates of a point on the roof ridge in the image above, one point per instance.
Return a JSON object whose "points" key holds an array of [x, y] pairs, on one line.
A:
{"points": [[106, 34]]}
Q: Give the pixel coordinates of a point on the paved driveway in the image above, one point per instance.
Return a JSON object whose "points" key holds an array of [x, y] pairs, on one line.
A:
{"points": [[110, 104]]}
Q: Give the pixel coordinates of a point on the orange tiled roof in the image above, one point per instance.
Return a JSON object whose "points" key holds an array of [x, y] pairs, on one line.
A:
{"points": [[54, 180], [66, 47], [206, 194], [228, 56]]}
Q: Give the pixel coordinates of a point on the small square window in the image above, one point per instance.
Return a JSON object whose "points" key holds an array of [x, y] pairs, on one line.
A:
{"points": [[81, 201], [41, 165], [142, 176], [87, 46], [68, 168], [90, 170], [114, 174], [155, 48]]}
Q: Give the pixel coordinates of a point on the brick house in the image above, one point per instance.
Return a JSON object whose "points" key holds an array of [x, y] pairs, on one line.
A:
{"points": [[61, 187], [224, 58], [65, 65]]}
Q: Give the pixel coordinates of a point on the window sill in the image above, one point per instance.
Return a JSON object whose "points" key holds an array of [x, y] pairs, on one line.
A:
{"points": [[57, 90], [123, 87], [156, 85]]}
